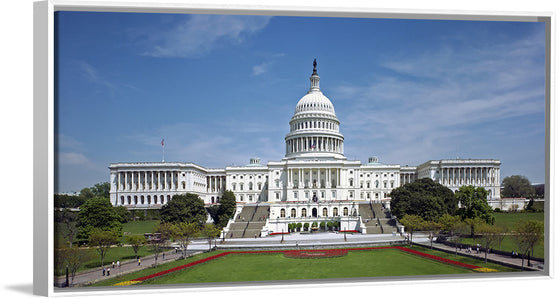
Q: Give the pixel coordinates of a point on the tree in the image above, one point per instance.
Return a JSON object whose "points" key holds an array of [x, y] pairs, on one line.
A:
{"points": [[211, 231], [123, 213], [527, 234], [86, 194], [135, 241], [425, 198], [474, 224], [455, 227], [222, 212], [103, 240], [69, 218], [183, 232], [488, 236], [162, 234], [517, 186], [70, 259], [98, 213], [184, 208], [433, 228], [101, 190], [473, 204], [412, 223]]}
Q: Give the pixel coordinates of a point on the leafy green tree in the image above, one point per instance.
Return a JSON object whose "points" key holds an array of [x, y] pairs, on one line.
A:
{"points": [[474, 224], [69, 219], [163, 232], [187, 208], [433, 228], [70, 259], [123, 213], [473, 204], [86, 194], [135, 242], [101, 190], [103, 240], [528, 233], [306, 226], [222, 212], [211, 231], [488, 236], [425, 198], [412, 223], [98, 213], [455, 227], [183, 233], [517, 186]]}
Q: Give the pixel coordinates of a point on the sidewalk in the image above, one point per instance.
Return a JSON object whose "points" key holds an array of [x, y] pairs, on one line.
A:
{"points": [[128, 266], [492, 257]]}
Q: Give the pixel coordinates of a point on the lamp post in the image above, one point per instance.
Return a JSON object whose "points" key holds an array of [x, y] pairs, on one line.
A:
{"points": [[282, 236]]}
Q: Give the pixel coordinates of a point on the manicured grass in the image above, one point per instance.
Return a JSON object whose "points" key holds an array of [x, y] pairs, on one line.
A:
{"points": [[139, 227], [261, 267], [510, 220], [275, 266]]}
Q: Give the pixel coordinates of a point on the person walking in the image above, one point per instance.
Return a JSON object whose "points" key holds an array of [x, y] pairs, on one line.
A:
{"points": [[139, 261], [104, 271], [108, 271], [118, 264]]}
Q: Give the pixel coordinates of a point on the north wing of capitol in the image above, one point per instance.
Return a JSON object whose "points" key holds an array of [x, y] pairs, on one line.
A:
{"points": [[314, 181]]}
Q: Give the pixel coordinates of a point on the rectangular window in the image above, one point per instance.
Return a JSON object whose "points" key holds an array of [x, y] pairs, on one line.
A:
{"points": [[277, 195]]}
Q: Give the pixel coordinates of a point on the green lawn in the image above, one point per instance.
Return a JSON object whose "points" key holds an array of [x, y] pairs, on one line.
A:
{"points": [[262, 267], [139, 227]]}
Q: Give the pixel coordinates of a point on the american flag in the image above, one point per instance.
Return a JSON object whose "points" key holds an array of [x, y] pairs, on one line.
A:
{"points": [[162, 142]]}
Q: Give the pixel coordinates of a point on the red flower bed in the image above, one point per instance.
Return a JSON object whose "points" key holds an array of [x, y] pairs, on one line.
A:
{"points": [[315, 254]]}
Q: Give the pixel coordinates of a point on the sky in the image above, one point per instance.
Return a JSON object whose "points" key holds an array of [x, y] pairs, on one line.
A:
{"points": [[221, 89]]}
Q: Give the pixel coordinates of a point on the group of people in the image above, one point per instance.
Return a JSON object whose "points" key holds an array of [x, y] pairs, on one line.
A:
{"points": [[107, 270]]}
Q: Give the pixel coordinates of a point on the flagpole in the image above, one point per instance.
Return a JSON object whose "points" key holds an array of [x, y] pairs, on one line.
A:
{"points": [[162, 151]]}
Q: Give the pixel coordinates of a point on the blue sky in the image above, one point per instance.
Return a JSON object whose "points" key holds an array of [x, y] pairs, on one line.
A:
{"points": [[222, 89]]}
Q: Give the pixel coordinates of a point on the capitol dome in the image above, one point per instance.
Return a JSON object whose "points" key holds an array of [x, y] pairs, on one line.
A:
{"points": [[314, 128]]}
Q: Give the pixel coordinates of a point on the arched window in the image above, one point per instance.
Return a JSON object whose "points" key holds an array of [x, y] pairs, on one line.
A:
{"points": [[325, 212], [142, 199], [293, 213], [335, 212], [304, 212], [122, 200], [149, 199], [345, 212], [282, 213], [128, 197], [250, 185], [135, 199], [161, 199]]}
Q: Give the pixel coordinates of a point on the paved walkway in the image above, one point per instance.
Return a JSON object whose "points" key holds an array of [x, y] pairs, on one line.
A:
{"points": [[492, 257], [291, 241], [128, 266]]}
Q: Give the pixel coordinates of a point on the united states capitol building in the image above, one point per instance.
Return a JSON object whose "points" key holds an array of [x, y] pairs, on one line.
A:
{"points": [[313, 182]]}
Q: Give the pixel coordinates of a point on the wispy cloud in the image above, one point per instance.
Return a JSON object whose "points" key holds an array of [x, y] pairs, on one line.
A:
{"points": [[431, 103], [200, 34], [260, 68]]}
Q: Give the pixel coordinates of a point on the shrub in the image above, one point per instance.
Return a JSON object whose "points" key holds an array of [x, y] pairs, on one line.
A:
{"points": [[306, 226], [299, 225]]}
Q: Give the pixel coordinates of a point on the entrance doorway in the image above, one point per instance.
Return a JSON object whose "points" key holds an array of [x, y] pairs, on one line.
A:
{"points": [[314, 212]]}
